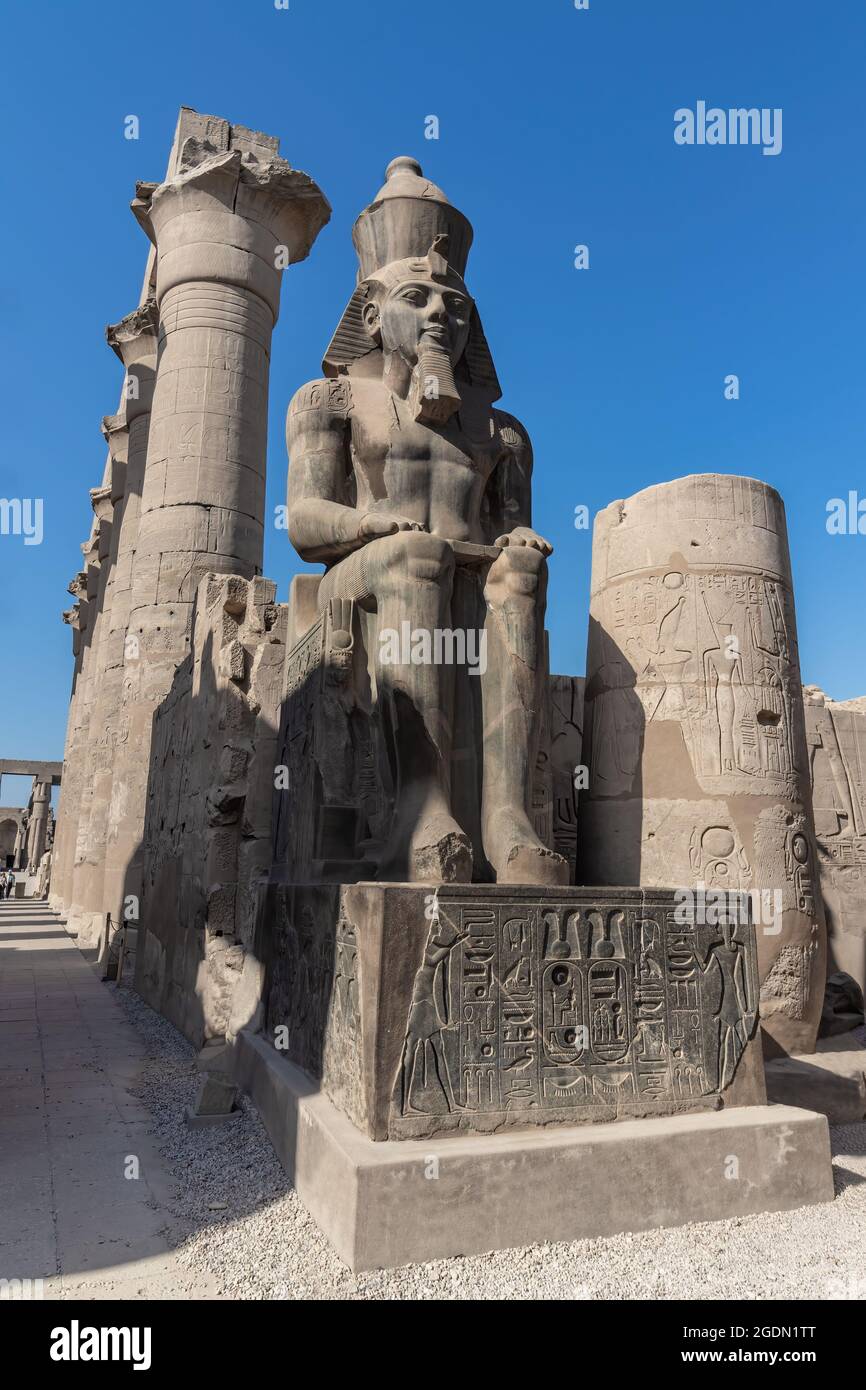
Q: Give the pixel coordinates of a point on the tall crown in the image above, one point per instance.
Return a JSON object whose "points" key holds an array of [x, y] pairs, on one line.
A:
{"points": [[409, 219], [405, 218]]}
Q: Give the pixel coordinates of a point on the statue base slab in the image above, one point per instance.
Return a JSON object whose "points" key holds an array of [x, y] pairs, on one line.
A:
{"points": [[831, 1080], [386, 1204]]}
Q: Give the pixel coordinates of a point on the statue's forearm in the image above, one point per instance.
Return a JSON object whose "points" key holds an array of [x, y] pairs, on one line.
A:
{"points": [[323, 530]]}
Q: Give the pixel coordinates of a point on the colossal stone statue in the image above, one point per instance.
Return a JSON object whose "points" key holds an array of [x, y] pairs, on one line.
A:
{"points": [[694, 733], [508, 996], [415, 492]]}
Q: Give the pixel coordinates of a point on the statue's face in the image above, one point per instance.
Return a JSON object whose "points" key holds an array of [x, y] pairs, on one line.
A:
{"points": [[419, 313]]}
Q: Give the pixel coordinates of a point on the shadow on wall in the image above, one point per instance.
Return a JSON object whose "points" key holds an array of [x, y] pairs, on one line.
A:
{"points": [[207, 846], [610, 811]]}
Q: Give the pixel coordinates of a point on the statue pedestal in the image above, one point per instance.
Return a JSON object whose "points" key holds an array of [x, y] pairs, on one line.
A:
{"points": [[481, 1007], [439, 1070], [399, 1202]]}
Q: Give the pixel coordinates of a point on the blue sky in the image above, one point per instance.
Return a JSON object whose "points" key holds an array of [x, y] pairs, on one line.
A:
{"points": [[555, 128]]}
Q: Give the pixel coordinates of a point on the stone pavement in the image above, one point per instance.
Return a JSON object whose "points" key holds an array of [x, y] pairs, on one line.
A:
{"points": [[72, 1136]]}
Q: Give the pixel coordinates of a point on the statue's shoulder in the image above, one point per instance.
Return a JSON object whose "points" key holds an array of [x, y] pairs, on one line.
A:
{"points": [[511, 433], [329, 398]]}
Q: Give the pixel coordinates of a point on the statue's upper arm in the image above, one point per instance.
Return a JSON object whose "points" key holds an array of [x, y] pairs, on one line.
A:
{"points": [[317, 428]]}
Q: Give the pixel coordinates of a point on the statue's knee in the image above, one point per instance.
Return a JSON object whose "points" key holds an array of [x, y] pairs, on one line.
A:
{"points": [[416, 555], [520, 570]]}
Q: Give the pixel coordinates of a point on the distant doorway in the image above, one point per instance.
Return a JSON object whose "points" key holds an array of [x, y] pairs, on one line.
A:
{"points": [[8, 836]]}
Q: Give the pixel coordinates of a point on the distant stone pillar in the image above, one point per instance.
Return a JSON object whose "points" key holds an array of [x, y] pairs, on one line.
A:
{"points": [[38, 830], [135, 340], [20, 843], [694, 734], [103, 509], [64, 836], [82, 619], [224, 227]]}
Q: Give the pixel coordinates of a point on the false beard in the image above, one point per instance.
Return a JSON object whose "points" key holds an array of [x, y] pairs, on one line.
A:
{"points": [[434, 395]]}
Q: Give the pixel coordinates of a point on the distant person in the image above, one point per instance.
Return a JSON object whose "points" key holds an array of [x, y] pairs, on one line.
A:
{"points": [[10, 883], [2, 883]]}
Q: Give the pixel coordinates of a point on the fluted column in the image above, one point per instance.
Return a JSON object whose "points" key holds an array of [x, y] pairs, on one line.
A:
{"points": [[693, 728], [223, 228]]}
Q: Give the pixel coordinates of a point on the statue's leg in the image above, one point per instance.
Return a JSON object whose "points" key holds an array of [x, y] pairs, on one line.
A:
{"points": [[408, 578], [512, 689]]}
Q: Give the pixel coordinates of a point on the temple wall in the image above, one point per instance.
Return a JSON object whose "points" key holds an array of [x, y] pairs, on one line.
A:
{"points": [[207, 834]]}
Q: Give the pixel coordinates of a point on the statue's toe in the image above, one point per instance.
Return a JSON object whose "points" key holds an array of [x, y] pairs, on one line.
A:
{"points": [[441, 852], [534, 864]]}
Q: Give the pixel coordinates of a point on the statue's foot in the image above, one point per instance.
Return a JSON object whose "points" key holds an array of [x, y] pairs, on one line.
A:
{"points": [[439, 851], [516, 853], [436, 851]]}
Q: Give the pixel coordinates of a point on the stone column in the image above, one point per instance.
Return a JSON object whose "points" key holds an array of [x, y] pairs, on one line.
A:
{"points": [[223, 228], [134, 340], [79, 918], [38, 831], [694, 733], [20, 843], [76, 618], [85, 587]]}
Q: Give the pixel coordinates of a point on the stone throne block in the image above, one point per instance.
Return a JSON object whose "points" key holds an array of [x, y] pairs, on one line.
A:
{"points": [[476, 1008]]}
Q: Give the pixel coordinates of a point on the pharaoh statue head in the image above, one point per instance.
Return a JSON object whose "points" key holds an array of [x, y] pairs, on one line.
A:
{"points": [[411, 311]]}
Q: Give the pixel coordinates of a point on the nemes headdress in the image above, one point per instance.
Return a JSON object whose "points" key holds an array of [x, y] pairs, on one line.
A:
{"points": [[410, 228]]}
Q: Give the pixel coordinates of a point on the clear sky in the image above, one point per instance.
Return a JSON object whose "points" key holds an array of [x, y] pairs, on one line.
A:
{"points": [[556, 128]]}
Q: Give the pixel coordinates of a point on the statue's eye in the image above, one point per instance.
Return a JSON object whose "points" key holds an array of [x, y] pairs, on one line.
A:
{"points": [[417, 297], [456, 306]]}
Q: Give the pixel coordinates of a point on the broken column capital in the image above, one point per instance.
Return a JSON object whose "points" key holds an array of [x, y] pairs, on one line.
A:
{"points": [[77, 586], [135, 339], [115, 431], [100, 500], [224, 217], [90, 551]]}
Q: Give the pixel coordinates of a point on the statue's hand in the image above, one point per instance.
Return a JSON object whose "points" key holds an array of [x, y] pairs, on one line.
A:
{"points": [[376, 524], [524, 535]]}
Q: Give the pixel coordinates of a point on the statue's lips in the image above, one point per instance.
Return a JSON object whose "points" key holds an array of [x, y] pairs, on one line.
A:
{"points": [[439, 337]]}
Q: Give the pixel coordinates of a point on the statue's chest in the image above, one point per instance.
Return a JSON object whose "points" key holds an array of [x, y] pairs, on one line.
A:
{"points": [[389, 437]]}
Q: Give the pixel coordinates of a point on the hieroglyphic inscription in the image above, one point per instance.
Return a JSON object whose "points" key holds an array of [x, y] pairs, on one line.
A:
{"points": [[714, 652], [523, 1007]]}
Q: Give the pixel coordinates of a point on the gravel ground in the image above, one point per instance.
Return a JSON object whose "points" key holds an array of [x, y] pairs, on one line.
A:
{"points": [[239, 1221]]}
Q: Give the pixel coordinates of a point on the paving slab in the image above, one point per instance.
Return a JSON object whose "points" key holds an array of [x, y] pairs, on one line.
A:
{"points": [[69, 1124]]}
